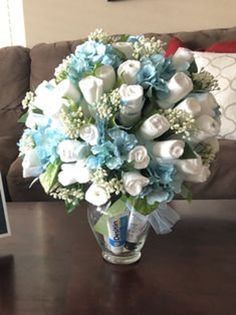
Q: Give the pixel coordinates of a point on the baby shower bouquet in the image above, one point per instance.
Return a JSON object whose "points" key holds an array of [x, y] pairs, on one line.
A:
{"points": [[122, 123]]}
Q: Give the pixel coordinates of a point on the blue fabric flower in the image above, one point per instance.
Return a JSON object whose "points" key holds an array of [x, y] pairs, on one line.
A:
{"points": [[155, 71]]}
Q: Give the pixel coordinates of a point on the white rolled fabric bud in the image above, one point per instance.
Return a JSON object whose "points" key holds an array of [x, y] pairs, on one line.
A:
{"points": [[154, 127], [107, 74], [89, 133], [191, 106], [31, 164], [208, 103], [169, 149], [128, 70], [181, 56], [91, 88], [67, 89], [180, 85], [140, 157], [189, 166], [33, 120], [207, 128], [132, 97], [125, 47], [134, 183], [69, 150], [74, 173], [200, 177], [96, 195]]}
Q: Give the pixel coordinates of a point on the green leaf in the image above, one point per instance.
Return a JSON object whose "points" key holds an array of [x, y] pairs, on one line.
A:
{"points": [[186, 193], [23, 118], [188, 153], [193, 67], [116, 208], [49, 178], [70, 207], [141, 205]]}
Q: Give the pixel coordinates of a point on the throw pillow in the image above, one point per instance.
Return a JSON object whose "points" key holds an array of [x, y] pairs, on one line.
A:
{"points": [[223, 67], [223, 47], [173, 46]]}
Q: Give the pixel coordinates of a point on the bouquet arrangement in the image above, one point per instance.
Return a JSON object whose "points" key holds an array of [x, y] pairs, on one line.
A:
{"points": [[120, 122]]}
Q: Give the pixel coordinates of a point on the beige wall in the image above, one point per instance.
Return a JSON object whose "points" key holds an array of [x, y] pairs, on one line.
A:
{"points": [[53, 20]]}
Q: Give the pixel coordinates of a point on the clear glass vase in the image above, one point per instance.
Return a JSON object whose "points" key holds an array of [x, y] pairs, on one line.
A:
{"points": [[120, 235]]}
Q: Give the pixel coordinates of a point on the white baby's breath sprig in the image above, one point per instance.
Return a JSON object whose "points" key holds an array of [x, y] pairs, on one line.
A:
{"points": [[206, 152], [28, 100], [99, 36], [180, 122], [109, 104], [72, 118], [204, 81], [72, 195], [62, 70], [145, 47]]}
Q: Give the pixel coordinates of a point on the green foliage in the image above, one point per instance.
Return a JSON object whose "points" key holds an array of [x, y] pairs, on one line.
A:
{"points": [[141, 205], [49, 178]]}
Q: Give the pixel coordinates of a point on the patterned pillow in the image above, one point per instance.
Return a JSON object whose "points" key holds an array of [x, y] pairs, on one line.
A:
{"points": [[223, 67]]}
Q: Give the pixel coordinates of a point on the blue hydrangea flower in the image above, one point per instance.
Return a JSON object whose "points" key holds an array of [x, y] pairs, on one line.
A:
{"points": [[46, 140], [155, 71], [133, 39]]}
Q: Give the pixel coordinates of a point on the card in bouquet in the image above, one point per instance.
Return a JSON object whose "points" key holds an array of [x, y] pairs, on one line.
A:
{"points": [[4, 222]]}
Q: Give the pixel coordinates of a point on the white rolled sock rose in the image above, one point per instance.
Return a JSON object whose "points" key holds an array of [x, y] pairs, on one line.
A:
{"points": [[107, 74], [139, 156], [134, 182], [91, 88], [132, 97], [67, 89], [31, 164], [208, 103], [169, 149], [69, 150], [200, 177], [154, 127], [89, 133], [128, 70], [125, 47], [33, 120], [74, 173], [96, 195], [207, 127], [189, 166], [181, 56], [191, 106], [180, 85]]}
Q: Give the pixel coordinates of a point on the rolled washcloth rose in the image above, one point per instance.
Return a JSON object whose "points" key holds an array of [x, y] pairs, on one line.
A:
{"points": [[125, 47], [91, 88], [96, 195], [139, 156], [67, 89], [89, 133], [169, 149], [31, 164], [132, 99], [200, 177], [207, 127], [71, 150], [189, 166], [74, 173], [191, 106], [180, 85], [134, 182], [128, 70], [154, 127], [208, 103], [107, 74], [182, 57]]}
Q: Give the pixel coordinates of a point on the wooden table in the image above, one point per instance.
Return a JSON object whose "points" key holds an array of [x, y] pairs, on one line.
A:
{"points": [[52, 265]]}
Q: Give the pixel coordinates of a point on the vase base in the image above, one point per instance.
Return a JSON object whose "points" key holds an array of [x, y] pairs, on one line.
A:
{"points": [[121, 260]]}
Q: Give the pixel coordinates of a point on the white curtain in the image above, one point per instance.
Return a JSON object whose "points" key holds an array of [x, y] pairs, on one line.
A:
{"points": [[12, 28]]}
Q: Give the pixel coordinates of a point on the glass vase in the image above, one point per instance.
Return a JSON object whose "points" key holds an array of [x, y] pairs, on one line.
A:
{"points": [[120, 235]]}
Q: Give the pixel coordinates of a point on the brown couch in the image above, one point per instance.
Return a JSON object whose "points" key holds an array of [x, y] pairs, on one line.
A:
{"points": [[22, 69]]}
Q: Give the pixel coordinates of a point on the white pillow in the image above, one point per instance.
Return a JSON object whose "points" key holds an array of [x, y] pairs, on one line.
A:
{"points": [[223, 67]]}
